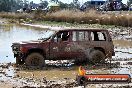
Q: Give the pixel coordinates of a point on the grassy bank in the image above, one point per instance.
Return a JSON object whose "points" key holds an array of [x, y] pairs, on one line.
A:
{"points": [[65, 24], [15, 15], [91, 17], [71, 16]]}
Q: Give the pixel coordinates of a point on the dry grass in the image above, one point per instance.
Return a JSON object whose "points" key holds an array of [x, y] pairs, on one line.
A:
{"points": [[76, 16], [15, 15], [71, 16], [90, 17]]}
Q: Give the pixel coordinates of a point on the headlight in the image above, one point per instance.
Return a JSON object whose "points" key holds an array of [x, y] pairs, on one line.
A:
{"points": [[14, 47]]}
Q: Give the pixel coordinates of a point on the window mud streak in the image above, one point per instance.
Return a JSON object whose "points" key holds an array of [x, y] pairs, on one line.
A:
{"points": [[81, 36], [74, 39], [74, 36], [86, 36]]}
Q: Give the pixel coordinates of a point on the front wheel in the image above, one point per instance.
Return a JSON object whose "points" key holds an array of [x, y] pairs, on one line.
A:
{"points": [[35, 60]]}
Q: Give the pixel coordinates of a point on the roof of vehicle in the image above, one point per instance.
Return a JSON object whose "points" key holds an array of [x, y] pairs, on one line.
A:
{"points": [[73, 29]]}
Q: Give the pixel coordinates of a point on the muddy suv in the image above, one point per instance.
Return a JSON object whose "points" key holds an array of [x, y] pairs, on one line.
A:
{"points": [[93, 45]]}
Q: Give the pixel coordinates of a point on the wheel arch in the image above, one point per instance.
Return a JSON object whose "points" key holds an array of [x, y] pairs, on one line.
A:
{"points": [[100, 49], [38, 50]]}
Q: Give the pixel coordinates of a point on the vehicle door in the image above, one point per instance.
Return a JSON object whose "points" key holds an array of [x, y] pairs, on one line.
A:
{"points": [[80, 43], [59, 47]]}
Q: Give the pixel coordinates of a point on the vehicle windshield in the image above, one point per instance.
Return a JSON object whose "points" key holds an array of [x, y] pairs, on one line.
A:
{"points": [[47, 34]]}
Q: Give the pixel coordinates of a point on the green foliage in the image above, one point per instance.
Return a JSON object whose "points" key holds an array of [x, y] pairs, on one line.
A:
{"points": [[54, 1], [63, 5], [9, 5], [14, 5], [4, 5], [129, 2], [44, 4]]}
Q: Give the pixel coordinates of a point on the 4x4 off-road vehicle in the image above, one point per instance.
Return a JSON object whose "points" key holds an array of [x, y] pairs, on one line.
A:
{"points": [[93, 45]]}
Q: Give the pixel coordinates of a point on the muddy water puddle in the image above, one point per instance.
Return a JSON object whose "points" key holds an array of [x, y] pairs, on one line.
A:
{"points": [[55, 70], [55, 74], [14, 33], [52, 75], [122, 43]]}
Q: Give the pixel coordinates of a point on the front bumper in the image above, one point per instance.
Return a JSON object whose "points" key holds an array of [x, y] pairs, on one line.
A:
{"points": [[16, 50]]}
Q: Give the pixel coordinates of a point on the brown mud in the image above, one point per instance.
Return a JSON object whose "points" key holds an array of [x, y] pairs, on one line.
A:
{"points": [[59, 74]]}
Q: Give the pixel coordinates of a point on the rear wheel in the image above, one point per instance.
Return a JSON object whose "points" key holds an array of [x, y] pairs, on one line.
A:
{"points": [[97, 56], [35, 60]]}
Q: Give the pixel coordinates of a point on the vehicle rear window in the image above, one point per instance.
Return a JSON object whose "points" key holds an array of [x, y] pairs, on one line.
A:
{"points": [[98, 36]]}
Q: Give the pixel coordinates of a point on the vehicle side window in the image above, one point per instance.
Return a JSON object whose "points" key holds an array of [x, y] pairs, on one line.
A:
{"points": [[98, 36], [80, 36], [65, 36], [101, 36], [61, 36]]}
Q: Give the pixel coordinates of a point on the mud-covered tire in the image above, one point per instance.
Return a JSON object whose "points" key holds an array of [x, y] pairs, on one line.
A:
{"points": [[97, 56], [18, 61], [35, 60]]}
